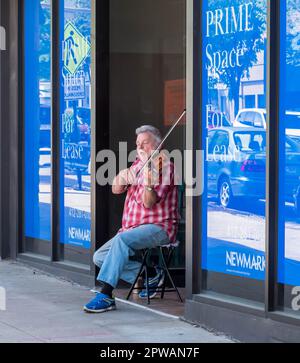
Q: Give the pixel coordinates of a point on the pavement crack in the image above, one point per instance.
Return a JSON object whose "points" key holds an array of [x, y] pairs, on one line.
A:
{"points": [[22, 331]]}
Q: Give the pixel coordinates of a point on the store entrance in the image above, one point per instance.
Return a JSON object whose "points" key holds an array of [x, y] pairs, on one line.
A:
{"points": [[147, 85]]}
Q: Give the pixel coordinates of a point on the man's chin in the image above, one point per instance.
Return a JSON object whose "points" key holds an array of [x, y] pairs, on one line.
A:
{"points": [[143, 157]]}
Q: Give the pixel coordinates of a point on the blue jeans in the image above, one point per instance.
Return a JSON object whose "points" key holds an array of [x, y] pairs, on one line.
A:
{"points": [[113, 258]]}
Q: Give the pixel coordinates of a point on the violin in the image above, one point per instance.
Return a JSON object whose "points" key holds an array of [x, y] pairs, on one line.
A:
{"points": [[154, 169]]}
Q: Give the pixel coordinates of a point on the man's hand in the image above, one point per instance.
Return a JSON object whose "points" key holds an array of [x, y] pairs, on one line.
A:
{"points": [[149, 196], [122, 181], [155, 169], [150, 177], [127, 177]]}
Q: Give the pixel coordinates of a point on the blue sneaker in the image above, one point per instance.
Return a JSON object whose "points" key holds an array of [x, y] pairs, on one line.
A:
{"points": [[100, 304], [154, 283]]}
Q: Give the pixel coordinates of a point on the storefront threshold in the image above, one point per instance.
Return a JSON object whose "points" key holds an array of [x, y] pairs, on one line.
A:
{"points": [[147, 308], [169, 305], [242, 322], [73, 272]]}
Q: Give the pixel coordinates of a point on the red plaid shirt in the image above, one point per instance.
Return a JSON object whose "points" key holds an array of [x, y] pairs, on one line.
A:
{"points": [[164, 213]]}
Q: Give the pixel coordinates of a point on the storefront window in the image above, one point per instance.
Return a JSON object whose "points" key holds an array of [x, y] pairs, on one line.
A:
{"points": [[75, 197], [234, 132], [37, 129], [289, 203]]}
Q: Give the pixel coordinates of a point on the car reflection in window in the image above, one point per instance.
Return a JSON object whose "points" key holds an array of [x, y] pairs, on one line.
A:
{"points": [[237, 166], [239, 171]]}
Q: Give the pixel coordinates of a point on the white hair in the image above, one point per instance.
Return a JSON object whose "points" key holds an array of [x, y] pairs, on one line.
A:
{"points": [[152, 130]]}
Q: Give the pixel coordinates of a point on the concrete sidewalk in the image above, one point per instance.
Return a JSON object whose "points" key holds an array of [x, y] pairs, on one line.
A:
{"points": [[43, 308]]}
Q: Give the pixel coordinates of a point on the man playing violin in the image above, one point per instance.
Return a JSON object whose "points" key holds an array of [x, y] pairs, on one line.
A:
{"points": [[150, 218]]}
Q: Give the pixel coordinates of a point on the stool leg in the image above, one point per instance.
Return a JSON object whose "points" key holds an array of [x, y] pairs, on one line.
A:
{"points": [[170, 277], [147, 283], [170, 254], [139, 274]]}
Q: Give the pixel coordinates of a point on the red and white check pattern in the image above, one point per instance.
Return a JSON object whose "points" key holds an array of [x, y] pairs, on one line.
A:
{"points": [[164, 213]]}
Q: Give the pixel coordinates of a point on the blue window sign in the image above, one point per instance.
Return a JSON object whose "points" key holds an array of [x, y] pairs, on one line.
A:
{"points": [[289, 195], [37, 125], [75, 178], [234, 132]]}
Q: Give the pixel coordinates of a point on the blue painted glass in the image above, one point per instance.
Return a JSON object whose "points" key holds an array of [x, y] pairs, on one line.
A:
{"points": [[234, 132], [75, 136], [37, 127], [289, 196]]}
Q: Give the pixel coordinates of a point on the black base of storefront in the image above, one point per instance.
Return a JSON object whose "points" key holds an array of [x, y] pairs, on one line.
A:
{"points": [[78, 273], [244, 323], [65, 270]]}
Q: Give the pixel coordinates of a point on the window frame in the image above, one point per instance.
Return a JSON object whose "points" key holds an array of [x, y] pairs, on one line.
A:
{"points": [[194, 282], [99, 139]]}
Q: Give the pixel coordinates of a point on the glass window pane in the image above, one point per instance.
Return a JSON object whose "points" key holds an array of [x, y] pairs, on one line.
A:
{"points": [[289, 196], [75, 198], [37, 105], [233, 248], [258, 120]]}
